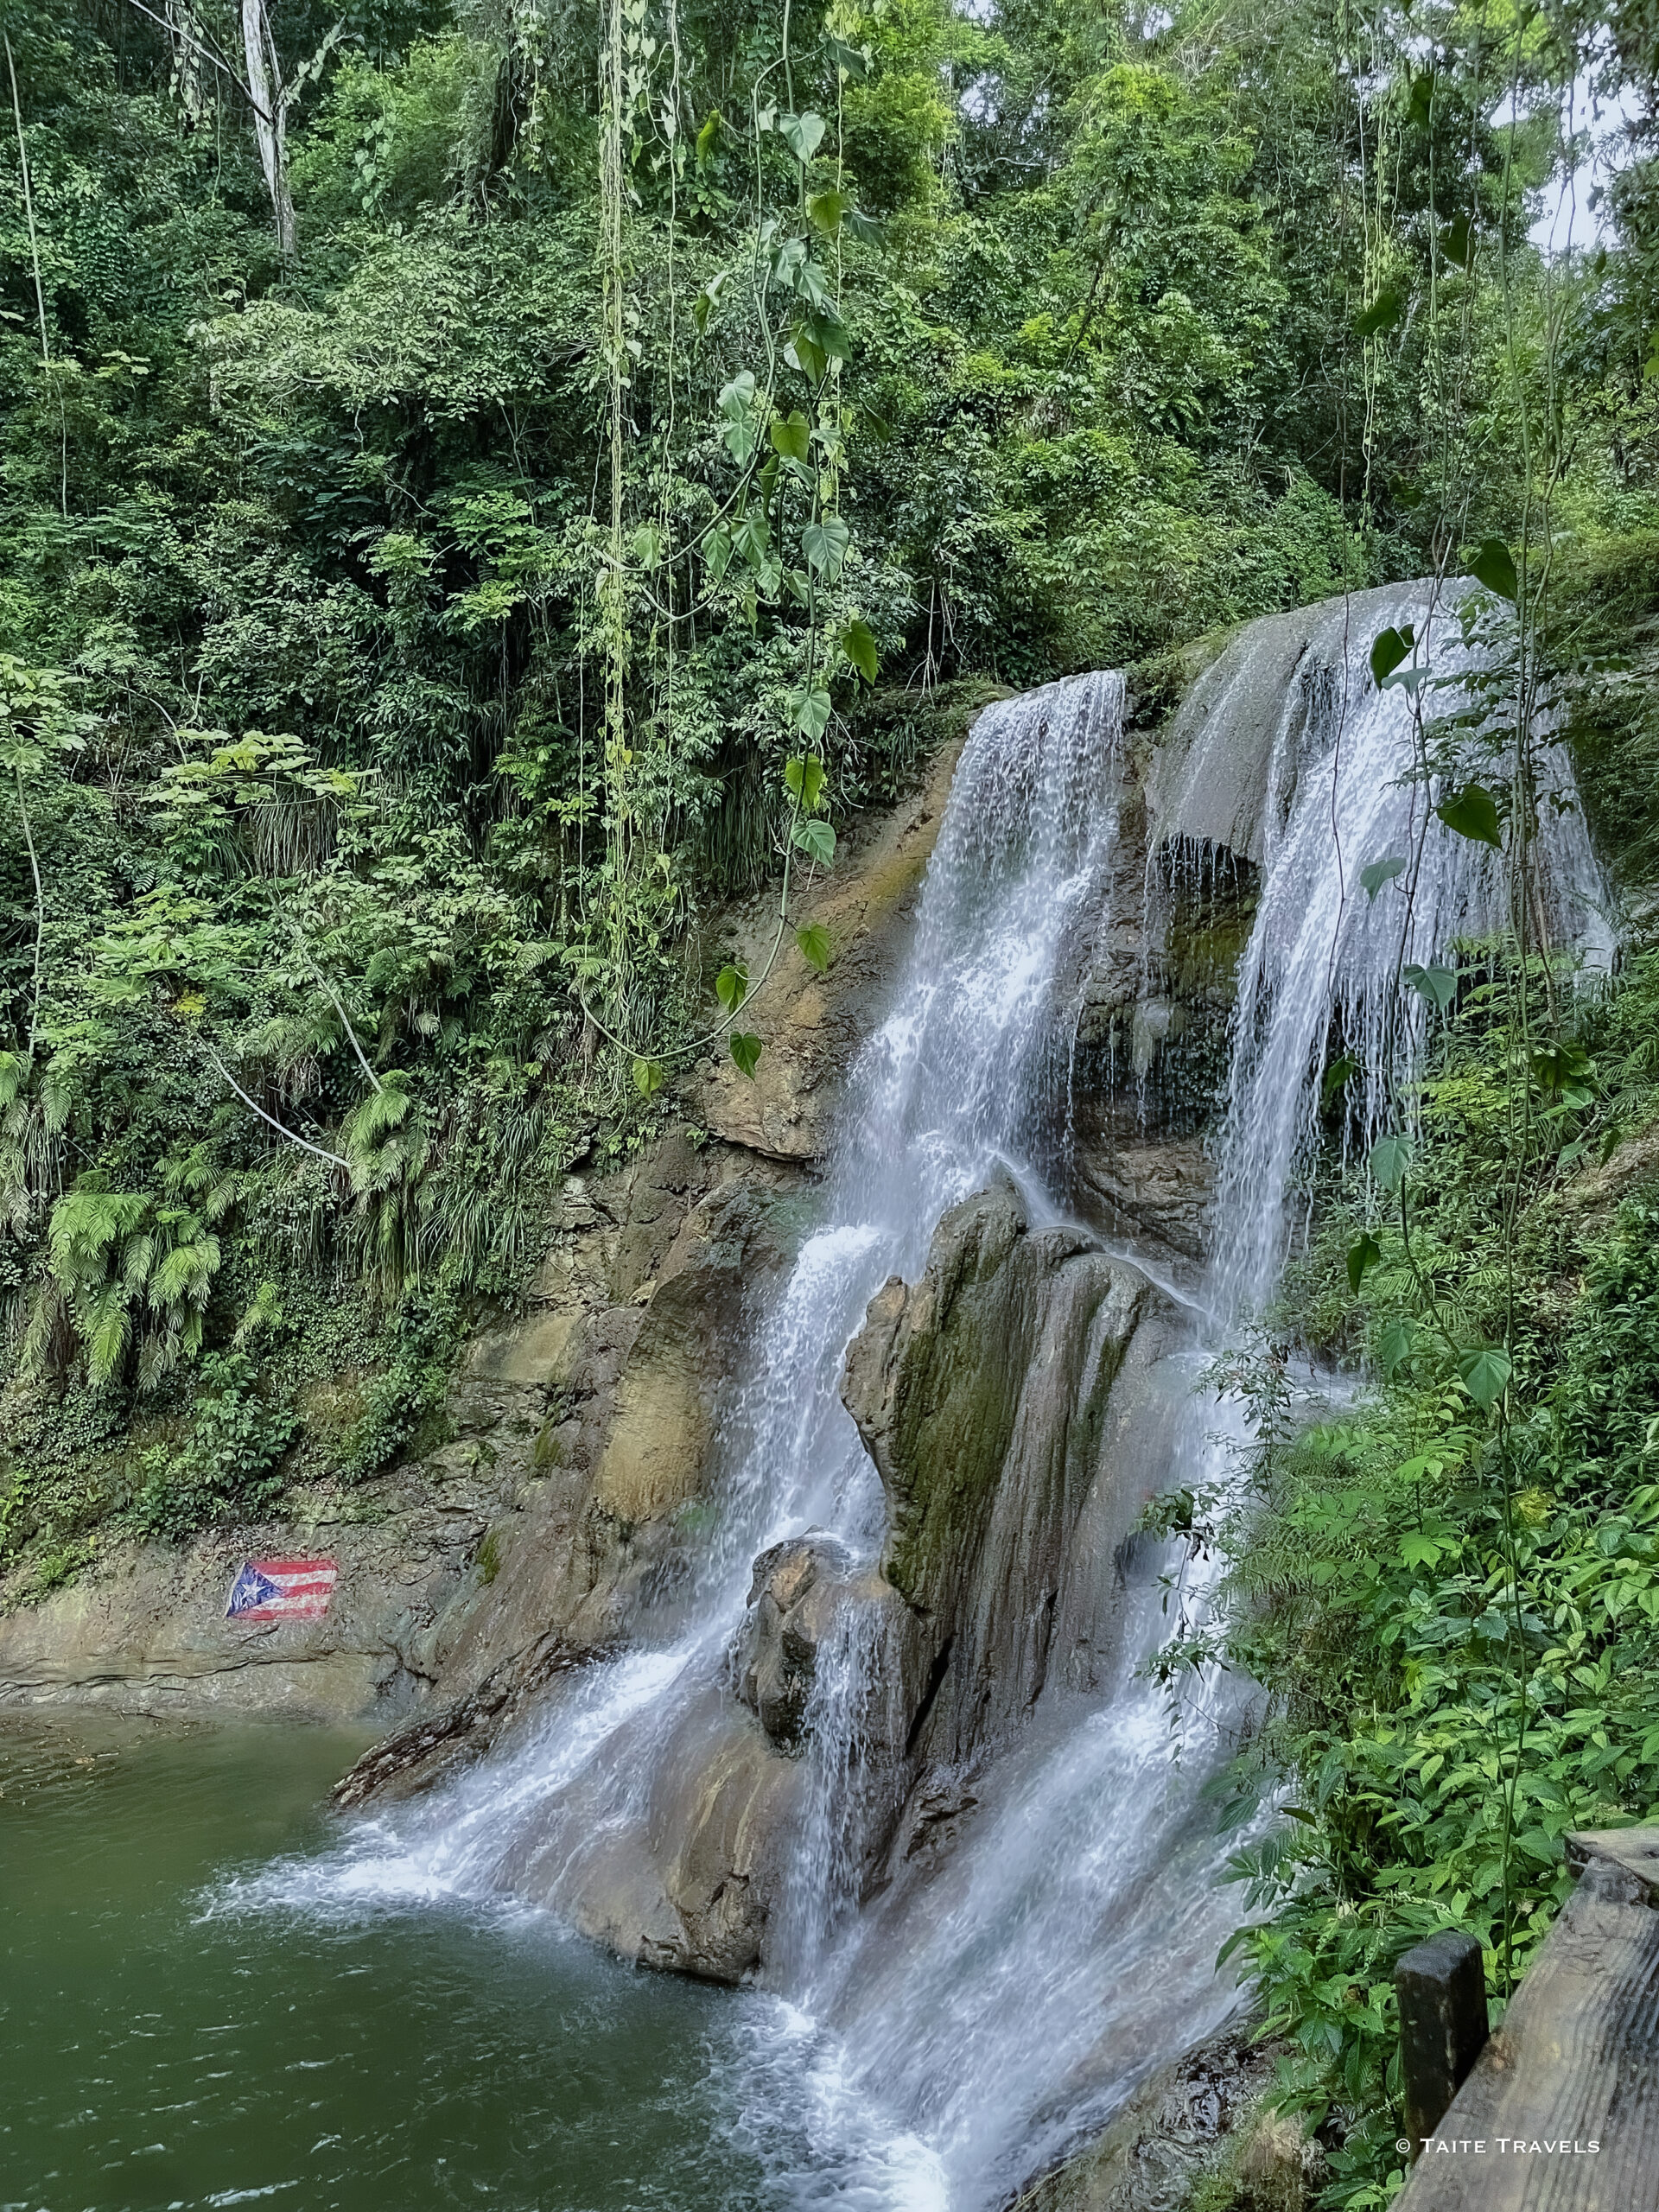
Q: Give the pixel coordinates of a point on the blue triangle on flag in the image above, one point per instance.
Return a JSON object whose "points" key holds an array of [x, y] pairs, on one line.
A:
{"points": [[250, 1590]]}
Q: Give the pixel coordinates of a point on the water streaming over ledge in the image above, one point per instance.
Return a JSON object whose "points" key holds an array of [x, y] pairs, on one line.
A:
{"points": [[931, 2049]]}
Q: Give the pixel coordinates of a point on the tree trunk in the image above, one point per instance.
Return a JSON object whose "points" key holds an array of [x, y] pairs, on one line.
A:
{"points": [[270, 119]]}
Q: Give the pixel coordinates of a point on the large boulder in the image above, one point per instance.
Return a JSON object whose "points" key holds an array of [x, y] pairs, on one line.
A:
{"points": [[793, 1600], [992, 1395]]}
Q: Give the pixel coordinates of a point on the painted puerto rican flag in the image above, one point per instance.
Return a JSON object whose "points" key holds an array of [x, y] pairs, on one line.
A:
{"points": [[282, 1589]]}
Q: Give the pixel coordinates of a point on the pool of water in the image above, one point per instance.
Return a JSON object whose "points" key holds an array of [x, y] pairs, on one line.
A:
{"points": [[164, 2049]]}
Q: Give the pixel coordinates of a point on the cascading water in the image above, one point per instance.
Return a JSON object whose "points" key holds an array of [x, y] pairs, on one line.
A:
{"points": [[934, 2045], [1333, 755]]}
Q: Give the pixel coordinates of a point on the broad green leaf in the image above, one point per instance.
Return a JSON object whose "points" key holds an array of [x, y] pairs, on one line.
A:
{"points": [[816, 339], [1363, 1256], [1556, 1066], [646, 545], [1335, 1076], [1457, 241], [1421, 1551], [869, 232], [1395, 1341], [1391, 1158], [1438, 985], [803, 353], [859, 646], [815, 838], [751, 537], [1420, 106], [1375, 874], [804, 780], [791, 435], [1485, 1375], [803, 134], [825, 544], [732, 986], [745, 1051], [814, 944], [1382, 313], [1472, 813], [809, 712], [717, 552], [850, 61], [738, 397], [828, 210], [1494, 566], [647, 1076], [1389, 649]]}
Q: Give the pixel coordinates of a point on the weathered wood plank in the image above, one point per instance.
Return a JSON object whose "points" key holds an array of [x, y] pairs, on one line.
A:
{"points": [[1576, 2062]]}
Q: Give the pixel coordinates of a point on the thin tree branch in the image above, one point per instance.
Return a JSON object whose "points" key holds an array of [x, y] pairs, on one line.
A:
{"points": [[39, 914], [304, 1143], [40, 294]]}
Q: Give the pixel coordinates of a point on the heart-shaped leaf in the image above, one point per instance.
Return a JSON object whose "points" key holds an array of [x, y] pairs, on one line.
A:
{"points": [[1395, 1341], [1485, 1374], [814, 944], [732, 986], [815, 839], [791, 435], [1362, 1258], [828, 210], [1391, 1158], [1389, 649], [745, 1051], [738, 397], [809, 710], [804, 780], [825, 544], [1375, 874], [803, 134], [1494, 566], [647, 1077], [859, 646], [1438, 985], [717, 553], [646, 545], [1472, 813]]}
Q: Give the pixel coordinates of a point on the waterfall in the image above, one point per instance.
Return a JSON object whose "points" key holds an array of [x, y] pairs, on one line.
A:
{"points": [[1310, 774], [928, 2047]]}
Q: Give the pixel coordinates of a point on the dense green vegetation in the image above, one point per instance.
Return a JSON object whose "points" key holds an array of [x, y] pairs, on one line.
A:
{"points": [[483, 487]]}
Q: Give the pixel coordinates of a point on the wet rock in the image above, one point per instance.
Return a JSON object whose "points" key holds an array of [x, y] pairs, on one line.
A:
{"points": [[990, 1395], [797, 1588], [1176, 2143]]}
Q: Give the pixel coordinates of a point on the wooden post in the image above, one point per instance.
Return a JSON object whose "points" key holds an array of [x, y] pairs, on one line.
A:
{"points": [[1441, 1986]]}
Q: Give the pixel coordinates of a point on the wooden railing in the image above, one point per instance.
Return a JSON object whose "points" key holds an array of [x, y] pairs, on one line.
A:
{"points": [[1558, 2111]]}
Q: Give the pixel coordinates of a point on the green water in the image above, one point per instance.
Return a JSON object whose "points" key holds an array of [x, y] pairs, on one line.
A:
{"points": [[154, 2058]]}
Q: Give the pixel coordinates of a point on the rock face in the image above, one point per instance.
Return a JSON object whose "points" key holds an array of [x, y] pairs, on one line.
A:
{"points": [[1183, 2136], [990, 1395], [792, 1600], [815, 1023]]}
